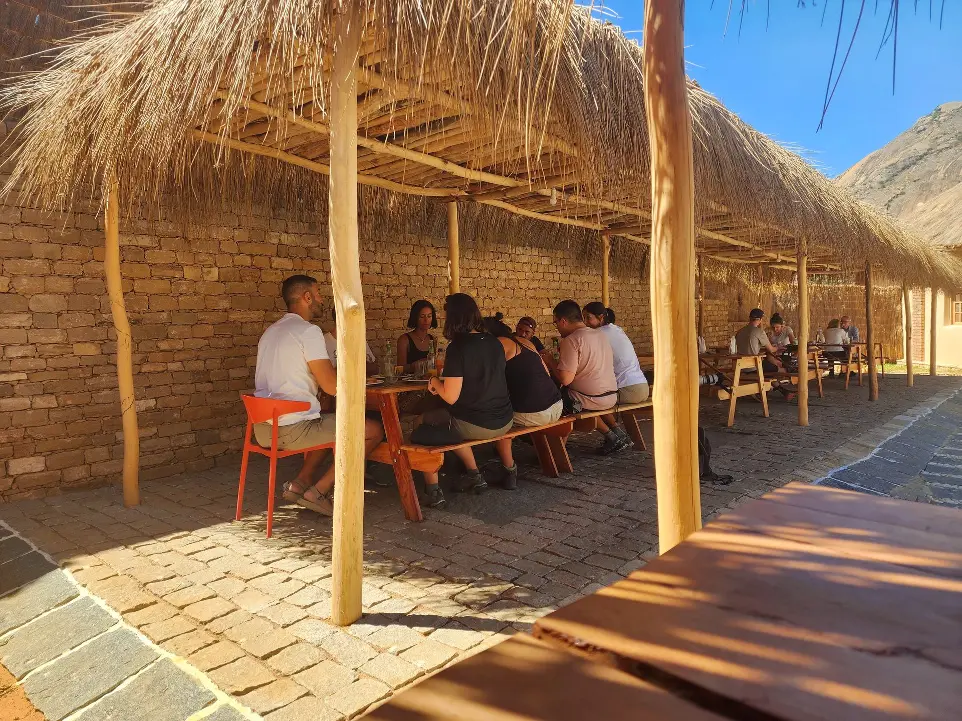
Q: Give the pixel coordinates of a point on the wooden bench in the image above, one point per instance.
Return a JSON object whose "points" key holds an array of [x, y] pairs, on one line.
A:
{"points": [[545, 440], [754, 384], [587, 421], [549, 440], [814, 373]]}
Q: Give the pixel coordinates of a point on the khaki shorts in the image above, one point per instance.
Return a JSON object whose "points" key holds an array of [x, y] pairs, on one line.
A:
{"points": [[539, 418], [471, 432], [294, 437], [633, 394]]}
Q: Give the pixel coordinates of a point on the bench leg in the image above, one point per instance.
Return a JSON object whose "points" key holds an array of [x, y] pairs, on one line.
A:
{"points": [[559, 452], [633, 431], [548, 466], [402, 467], [818, 378]]}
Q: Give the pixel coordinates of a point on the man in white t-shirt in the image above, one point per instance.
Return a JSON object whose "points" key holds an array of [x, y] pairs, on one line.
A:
{"points": [[292, 363], [330, 340]]}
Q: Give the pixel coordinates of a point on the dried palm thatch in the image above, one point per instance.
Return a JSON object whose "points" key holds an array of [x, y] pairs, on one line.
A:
{"points": [[529, 106]]}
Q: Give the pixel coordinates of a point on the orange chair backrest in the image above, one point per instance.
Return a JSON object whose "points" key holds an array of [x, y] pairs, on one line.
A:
{"points": [[265, 409]]}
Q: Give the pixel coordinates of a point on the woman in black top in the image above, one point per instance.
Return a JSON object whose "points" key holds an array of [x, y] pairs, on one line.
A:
{"points": [[414, 345], [473, 386], [534, 395]]}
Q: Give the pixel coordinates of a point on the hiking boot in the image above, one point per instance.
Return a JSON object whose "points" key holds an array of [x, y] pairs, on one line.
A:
{"points": [[717, 479], [614, 443], [433, 498], [471, 482], [509, 478]]}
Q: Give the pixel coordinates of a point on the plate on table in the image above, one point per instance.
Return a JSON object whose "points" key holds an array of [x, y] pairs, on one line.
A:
{"points": [[415, 380], [374, 382]]}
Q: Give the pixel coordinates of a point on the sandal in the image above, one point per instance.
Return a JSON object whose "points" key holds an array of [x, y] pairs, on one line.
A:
{"points": [[323, 504], [291, 494]]}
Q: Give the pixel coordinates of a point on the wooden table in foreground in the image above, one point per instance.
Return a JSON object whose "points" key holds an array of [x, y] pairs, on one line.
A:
{"points": [[808, 604]]}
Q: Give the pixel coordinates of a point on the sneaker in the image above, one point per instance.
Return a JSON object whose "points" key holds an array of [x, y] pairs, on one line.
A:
{"points": [[471, 482], [433, 498], [509, 479], [613, 444]]}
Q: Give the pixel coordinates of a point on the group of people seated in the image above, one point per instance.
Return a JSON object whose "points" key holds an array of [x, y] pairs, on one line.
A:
{"points": [[493, 380], [753, 340]]}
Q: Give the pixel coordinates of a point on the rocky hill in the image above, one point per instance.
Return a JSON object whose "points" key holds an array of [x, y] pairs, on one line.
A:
{"points": [[918, 176]]}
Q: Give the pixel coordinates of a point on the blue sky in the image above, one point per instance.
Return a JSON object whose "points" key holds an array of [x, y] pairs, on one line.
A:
{"points": [[775, 79]]}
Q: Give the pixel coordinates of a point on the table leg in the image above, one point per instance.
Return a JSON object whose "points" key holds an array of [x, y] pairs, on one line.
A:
{"points": [[399, 459]]}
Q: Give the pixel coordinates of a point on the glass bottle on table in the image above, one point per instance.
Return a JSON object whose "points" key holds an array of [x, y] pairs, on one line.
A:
{"points": [[387, 365], [431, 360], [555, 349], [439, 359]]}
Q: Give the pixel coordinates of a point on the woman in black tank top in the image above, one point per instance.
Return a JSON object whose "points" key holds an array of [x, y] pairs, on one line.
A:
{"points": [[414, 345], [534, 396]]}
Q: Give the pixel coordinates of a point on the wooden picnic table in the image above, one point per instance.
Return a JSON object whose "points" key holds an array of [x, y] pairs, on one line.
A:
{"points": [[385, 395], [809, 604]]}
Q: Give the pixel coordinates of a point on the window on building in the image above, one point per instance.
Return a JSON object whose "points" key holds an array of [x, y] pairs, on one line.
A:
{"points": [[957, 309]]}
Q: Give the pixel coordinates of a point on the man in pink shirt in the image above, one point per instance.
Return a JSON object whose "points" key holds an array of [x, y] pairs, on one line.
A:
{"points": [[586, 371]]}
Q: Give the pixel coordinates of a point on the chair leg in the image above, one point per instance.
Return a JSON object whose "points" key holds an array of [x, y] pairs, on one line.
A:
{"points": [[633, 431], [270, 494], [243, 479]]}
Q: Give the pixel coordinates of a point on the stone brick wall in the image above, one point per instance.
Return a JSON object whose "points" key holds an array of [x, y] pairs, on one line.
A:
{"points": [[198, 297]]}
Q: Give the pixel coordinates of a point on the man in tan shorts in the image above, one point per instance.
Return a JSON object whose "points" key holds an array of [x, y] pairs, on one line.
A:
{"points": [[292, 363]]}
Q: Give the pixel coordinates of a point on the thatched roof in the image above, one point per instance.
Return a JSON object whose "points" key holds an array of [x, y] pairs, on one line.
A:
{"points": [[529, 106]]}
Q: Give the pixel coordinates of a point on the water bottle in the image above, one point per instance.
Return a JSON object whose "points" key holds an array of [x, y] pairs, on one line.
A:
{"points": [[733, 346], [555, 350], [819, 337], [387, 365]]}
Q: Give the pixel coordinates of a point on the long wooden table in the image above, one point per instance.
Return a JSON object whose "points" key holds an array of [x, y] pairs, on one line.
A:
{"points": [[809, 604]]}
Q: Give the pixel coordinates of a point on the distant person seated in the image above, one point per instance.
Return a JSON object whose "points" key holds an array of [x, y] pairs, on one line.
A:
{"points": [[836, 338], [415, 345], [534, 396], [752, 341], [780, 335], [845, 323], [330, 340], [525, 329], [586, 369], [632, 384], [292, 363]]}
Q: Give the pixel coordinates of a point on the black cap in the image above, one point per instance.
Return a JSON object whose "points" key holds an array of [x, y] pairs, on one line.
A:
{"points": [[756, 314]]}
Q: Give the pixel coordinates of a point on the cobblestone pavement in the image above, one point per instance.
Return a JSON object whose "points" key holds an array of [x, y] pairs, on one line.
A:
{"points": [[923, 462], [174, 595]]}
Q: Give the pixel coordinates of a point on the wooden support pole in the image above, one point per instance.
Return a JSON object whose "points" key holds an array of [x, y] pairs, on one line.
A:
{"points": [[803, 330], [701, 298], [907, 305], [347, 551], [605, 252], [454, 250], [934, 334], [125, 362], [672, 273], [870, 336]]}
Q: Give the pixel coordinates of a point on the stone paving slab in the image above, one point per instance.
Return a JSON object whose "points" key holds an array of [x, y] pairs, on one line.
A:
{"points": [[163, 692], [88, 673], [28, 602], [23, 569], [52, 635]]}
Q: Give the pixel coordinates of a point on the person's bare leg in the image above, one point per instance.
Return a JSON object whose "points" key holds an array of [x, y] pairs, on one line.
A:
{"points": [[373, 433], [610, 421], [312, 461], [601, 426], [503, 447], [467, 457], [430, 479]]}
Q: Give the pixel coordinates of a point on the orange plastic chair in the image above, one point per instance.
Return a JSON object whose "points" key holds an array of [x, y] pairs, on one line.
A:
{"points": [[260, 410]]}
